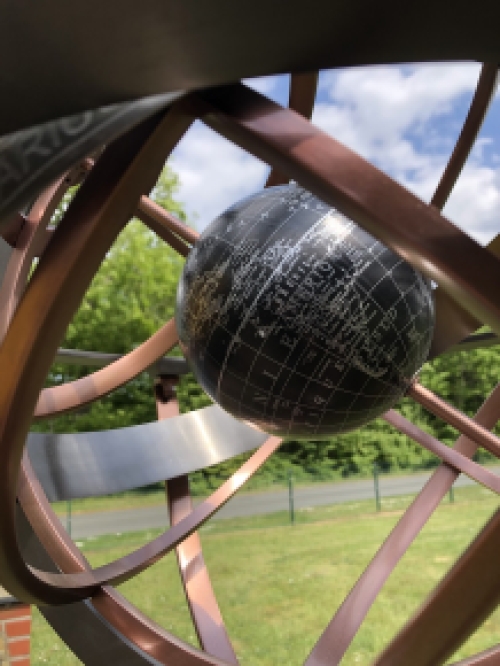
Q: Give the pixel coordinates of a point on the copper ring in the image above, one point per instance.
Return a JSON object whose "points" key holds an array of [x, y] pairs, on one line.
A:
{"points": [[133, 162]]}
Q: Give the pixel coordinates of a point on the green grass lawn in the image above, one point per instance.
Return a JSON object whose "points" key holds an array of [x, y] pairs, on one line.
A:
{"points": [[278, 585]]}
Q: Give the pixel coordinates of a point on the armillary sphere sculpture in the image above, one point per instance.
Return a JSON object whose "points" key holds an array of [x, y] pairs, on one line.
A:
{"points": [[134, 77]]}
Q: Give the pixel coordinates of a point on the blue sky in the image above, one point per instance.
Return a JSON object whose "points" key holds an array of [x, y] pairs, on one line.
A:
{"points": [[404, 119]]}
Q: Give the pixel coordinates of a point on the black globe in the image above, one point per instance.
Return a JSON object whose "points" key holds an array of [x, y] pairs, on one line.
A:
{"points": [[297, 320]]}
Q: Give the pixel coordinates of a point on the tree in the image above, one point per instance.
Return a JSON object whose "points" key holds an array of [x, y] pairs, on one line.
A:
{"points": [[130, 297]]}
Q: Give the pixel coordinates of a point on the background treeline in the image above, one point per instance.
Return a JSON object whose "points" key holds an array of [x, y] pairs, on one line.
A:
{"points": [[133, 294]]}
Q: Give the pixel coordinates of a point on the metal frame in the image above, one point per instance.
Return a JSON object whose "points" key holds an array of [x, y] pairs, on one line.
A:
{"points": [[34, 315]]}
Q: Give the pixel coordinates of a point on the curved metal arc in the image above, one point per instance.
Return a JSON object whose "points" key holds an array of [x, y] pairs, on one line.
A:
{"points": [[19, 266], [93, 640], [341, 630], [96, 215], [483, 97], [221, 43], [31, 241], [426, 639], [447, 455], [48, 150], [116, 610], [165, 234], [46, 204], [73, 395], [5, 256], [453, 323], [58, 588], [303, 89], [106, 609], [149, 637], [343, 179], [164, 218], [203, 606], [11, 228], [101, 463], [167, 365], [466, 426], [164, 223]]}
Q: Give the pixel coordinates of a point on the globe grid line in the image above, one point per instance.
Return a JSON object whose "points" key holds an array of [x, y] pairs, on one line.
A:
{"points": [[248, 228], [324, 351], [305, 377], [298, 373], [328, 386], [281, 365], [401, 299], [284, 364], [278, 278], [360, 285], [402, 294], [357, 394], [245, 318]]}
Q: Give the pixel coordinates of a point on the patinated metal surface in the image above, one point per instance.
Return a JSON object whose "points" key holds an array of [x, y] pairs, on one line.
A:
{"points": [[5, 253], [487, 658], [457, 607], [454, 417], [73, 395], [340, 632], [33, 157]]}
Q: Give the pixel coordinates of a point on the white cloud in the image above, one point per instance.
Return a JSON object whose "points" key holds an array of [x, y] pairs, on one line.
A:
{"points": [[214, 174], [475, 202], [403, 120], [373, 109]]}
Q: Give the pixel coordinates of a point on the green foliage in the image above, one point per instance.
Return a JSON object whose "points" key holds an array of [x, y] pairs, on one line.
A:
{"points": [[131, 297], [190, 394]]}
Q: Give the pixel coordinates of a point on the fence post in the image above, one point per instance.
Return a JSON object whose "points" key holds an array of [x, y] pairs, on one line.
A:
{"points": [[290, 498], [376, 485], [68, 517]]}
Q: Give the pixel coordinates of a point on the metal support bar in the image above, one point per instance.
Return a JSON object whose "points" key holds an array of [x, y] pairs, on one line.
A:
{"points": [[91, 359]]}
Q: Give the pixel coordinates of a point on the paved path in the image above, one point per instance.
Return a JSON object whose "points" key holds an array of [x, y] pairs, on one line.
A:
{"points": [[130, 520]]}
